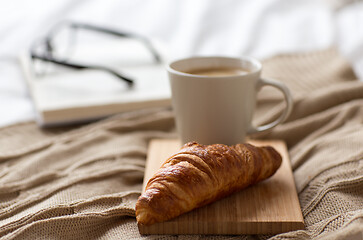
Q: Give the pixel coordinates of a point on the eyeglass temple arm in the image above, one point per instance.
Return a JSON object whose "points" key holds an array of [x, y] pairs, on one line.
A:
{"points": [[129, 81], [147, 43]]}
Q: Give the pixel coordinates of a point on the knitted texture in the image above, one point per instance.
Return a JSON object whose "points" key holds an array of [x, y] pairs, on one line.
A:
{"points": [[83, 182]]}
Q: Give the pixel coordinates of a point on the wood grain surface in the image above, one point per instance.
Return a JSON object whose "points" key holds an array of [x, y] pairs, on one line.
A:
{"points": [[269, 207]]}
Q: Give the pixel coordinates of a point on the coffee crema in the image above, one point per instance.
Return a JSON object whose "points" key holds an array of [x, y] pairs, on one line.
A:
{"points": [[219, 72]]}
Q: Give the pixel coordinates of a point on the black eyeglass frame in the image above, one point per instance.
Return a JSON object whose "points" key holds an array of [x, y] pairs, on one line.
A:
{"points": [[49, 48]]}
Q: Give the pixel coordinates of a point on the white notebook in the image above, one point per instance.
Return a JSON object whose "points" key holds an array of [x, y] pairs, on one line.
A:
{"points": [[68, 96]]}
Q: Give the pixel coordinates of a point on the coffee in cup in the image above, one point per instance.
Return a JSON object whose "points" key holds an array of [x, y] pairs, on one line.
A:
{"points": [[219, 72]]}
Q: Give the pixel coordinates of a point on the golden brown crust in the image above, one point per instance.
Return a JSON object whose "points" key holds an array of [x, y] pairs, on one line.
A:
{"points": [[200, 174]]}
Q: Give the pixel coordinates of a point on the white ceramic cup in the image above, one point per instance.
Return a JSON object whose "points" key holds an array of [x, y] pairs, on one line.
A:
{"points": [[219, 109]]}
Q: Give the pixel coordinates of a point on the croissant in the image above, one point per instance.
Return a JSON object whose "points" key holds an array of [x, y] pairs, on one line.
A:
{"points": [[200, 174]]}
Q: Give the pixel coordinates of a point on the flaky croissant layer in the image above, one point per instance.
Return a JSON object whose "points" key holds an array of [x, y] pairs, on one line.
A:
{"points": [[200, 174]]}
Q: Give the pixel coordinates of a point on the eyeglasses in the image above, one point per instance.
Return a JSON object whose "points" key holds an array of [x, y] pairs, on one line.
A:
{"points": [[46, 49]]}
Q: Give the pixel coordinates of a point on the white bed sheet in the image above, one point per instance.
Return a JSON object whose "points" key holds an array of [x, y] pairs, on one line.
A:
{"points": [[259, 28]]}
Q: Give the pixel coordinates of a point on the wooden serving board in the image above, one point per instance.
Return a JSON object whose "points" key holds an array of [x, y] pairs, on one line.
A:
{"points": [[269, 207]]}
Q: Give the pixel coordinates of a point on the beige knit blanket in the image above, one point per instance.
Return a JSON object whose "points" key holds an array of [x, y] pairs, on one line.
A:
{"points": [[83, 182]]}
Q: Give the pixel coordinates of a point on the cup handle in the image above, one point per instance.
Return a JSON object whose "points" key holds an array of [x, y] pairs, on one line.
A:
{"points": [[287, 95]]}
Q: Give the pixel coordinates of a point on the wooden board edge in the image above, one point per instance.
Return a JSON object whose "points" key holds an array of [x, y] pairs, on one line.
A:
{"points": [[225, 228]]}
